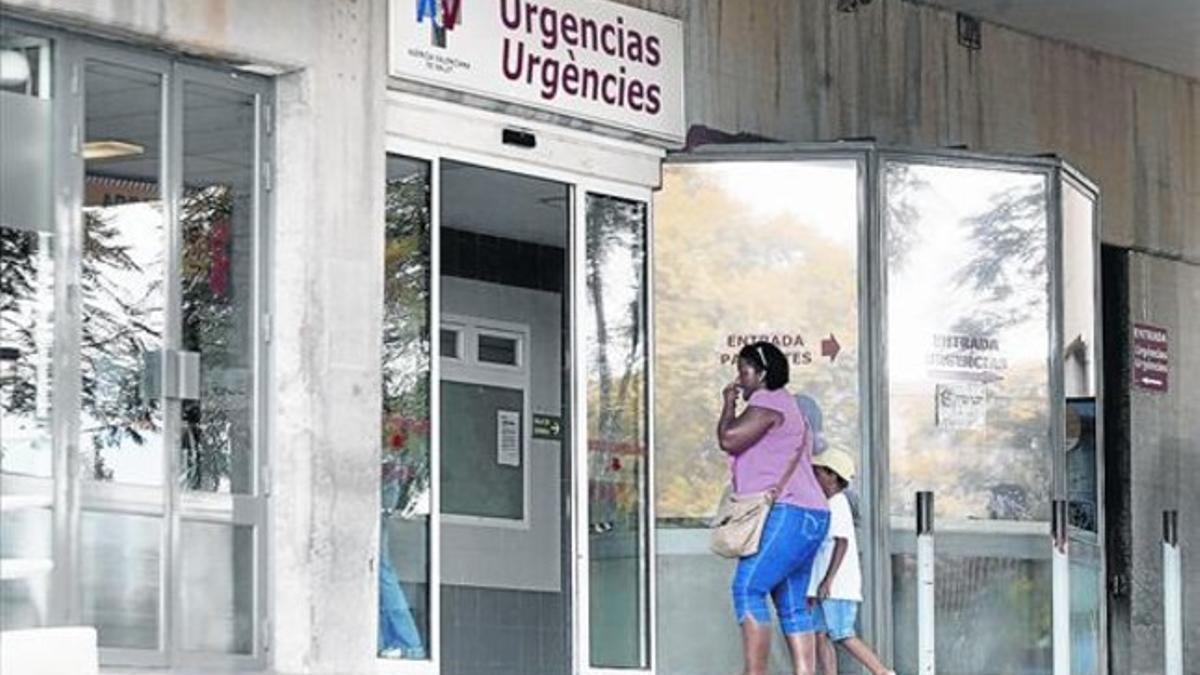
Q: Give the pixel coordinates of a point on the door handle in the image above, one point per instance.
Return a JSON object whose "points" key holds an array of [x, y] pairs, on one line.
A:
{"points": [[171, 373]]}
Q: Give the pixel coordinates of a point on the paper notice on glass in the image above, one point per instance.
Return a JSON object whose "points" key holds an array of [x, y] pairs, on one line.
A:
{"points": [[508, 438], [961, 406]]}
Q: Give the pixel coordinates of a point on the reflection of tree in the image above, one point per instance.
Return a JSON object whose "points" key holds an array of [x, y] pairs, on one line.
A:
{"points": [[406, 329], [615, 271], [996, 288], [119, 328], [213, 428], [19, 283], [1006, 271], [903, 185], [722, 269]]}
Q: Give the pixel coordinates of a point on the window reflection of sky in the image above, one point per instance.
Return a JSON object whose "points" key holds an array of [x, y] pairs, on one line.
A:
{"points": [[967, 256], [927, 294], [139, 229]]}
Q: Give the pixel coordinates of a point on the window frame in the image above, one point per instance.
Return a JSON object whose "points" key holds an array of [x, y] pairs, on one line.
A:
{"points": [[469, 369]]}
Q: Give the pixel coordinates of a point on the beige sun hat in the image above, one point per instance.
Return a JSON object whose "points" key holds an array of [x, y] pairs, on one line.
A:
{"points": [[837, 461]]}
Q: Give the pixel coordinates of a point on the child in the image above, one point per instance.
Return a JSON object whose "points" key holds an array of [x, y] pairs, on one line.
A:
{"points": [[836, 582]]}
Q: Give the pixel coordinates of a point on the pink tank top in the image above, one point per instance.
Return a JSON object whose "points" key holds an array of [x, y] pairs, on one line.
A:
{"points": [[760, 466]]}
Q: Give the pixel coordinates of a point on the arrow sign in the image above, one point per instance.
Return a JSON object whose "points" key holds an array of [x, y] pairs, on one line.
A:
{"points": [[547, 427], [830, 348]]}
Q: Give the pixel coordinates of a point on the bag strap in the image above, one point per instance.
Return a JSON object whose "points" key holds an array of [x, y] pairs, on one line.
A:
{"points": [[787, 475]]}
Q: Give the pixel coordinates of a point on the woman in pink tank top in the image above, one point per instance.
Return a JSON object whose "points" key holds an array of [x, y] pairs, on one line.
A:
{"points": [[761, 443]]}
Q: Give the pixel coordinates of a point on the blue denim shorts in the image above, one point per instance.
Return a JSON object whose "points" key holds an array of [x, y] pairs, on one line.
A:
{"points": [[836, 618], [781, 568]]}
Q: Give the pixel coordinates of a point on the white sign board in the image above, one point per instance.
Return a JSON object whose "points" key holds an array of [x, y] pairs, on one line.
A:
{"points": [[508, 438], [596, 60], [961, 405]]}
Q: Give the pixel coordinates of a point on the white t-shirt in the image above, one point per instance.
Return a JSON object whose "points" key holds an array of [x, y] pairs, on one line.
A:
{"points": [[847, 582]]}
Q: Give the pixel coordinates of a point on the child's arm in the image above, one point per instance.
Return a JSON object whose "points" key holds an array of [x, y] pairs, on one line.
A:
{"points": [[840, 544]]}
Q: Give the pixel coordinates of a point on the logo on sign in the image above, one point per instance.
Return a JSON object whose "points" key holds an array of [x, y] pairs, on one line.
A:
{"points": [[443, 16]]}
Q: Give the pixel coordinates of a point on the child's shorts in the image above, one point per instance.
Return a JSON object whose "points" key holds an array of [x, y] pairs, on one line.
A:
{"points": [[836, 618]]}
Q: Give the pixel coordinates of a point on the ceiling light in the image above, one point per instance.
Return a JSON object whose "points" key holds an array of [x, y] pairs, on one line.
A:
{"points": [[110, 149]]}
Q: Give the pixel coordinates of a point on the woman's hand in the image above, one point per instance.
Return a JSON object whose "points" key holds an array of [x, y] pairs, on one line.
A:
{"points": [[731, 392], [824, 589]]}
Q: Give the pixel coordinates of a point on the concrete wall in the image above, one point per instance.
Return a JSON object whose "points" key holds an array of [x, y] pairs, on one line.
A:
{"points": [[326, 297], [799, 70], [1164, 461]]}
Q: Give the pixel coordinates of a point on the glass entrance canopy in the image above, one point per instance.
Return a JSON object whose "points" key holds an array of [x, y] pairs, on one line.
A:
{"points": [[938, 311]]}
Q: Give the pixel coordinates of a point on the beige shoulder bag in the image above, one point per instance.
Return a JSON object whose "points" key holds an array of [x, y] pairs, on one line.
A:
{"points": [[737, 528]]}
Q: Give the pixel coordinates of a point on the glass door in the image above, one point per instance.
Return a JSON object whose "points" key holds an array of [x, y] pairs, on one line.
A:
{"points": [[220, 317], [126, 420], [502, 281], [615, 475], [31, 508], [141, 267]]}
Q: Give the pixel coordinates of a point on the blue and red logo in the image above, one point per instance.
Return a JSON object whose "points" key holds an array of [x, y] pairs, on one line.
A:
{"points": [[443, 16]]}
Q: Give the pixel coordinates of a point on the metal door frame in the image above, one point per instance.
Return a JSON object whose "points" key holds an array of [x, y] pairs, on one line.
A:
{"points": [[70, 53], [434, 131]]}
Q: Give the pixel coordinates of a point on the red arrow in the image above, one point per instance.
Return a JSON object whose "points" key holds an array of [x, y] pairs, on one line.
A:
{"points": [[830, 348]]}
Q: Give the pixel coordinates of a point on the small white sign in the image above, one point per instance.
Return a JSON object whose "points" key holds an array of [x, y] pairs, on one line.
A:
{"points": [[961, 405], [602, 61], [508, 438]]}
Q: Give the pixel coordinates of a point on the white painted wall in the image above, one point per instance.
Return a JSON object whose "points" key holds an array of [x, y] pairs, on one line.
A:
{"points": [[501, 557]]}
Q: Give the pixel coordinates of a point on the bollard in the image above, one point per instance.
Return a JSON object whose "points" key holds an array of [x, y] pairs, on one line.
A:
{"points": [[1172, 595], [926, 624], [1061, 587]]}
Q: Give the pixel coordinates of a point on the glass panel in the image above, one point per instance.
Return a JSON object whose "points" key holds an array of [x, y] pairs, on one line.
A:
{"points": [[122, 285], [217, 220], [1087, 601], [969, 409], [615, 326], [968, 326], [26, 341], [217, 600], [26, 261], [24, 599], [119, 583], [993, 614], [404, 593], [743, 250], [496, 349]]}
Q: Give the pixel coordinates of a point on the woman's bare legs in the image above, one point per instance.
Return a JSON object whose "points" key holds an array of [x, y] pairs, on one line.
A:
{"points": [[756, 646], [826, 654], [803, 647], [859, 650]]}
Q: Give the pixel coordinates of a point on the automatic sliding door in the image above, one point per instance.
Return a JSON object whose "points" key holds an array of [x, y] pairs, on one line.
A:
{"points": [[618, 459], [407, 578]]}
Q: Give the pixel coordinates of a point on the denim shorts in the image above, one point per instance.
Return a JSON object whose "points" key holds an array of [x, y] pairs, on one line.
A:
{"points": [[781, 569], [836, 618]]}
